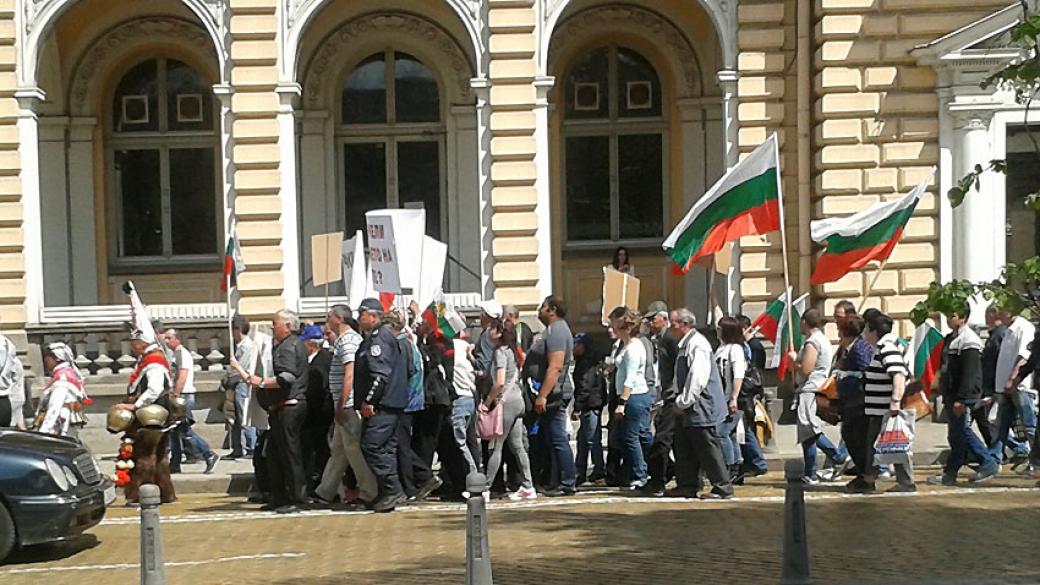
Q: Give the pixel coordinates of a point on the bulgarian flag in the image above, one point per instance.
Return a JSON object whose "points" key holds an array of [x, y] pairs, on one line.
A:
{"points": [[443, 319], [783, 333], [852, 242], [926, 349], [233, 263], [768, 323], [744, 202]]}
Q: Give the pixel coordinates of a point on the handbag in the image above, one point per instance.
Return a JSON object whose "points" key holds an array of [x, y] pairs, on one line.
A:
{"points": [[489, 422], [895, 441]]}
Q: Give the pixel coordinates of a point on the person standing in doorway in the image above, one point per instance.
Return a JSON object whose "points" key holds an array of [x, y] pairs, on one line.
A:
{"points": [[622, 262]]}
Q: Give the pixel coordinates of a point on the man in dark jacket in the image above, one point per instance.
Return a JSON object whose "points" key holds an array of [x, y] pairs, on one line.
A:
{"points": [[590, 396], [381, 382], [287, 414], [960, 380], [319, 406], [990, 352], [666, 348]]}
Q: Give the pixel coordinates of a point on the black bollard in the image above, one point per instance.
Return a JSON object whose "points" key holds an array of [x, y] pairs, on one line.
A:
{"points": [[152, 572], [478, 556], [795, 569]]}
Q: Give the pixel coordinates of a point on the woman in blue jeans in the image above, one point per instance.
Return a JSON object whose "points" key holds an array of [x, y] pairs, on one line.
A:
{"points": [[634, 397], [733, 366]]}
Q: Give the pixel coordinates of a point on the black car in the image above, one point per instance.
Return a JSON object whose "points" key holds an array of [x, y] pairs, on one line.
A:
{"points": [[50, 489]]}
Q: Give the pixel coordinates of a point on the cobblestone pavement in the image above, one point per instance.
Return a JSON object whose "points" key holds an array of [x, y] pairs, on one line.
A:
{"points": [[940, 535]]}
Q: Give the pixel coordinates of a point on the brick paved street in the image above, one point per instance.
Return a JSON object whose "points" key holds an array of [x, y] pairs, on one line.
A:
{"points": [[594, 538]]}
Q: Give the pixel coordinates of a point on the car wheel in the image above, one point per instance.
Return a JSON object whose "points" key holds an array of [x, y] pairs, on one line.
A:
{"points": [[7, 533]]}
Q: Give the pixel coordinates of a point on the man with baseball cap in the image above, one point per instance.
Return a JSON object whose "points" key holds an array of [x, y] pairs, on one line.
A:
{"points": [[665, 420], [381, 384]]}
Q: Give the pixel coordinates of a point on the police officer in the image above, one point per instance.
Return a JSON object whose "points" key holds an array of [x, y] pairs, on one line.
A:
{"points": [[381, 385]]}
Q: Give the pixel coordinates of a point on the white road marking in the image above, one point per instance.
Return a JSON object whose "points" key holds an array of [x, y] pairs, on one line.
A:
{"points": [[257, 557], [810, 496]]}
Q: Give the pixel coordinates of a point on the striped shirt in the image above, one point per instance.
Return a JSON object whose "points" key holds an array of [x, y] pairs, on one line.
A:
{"points": [[343, 352], [888, 361]]}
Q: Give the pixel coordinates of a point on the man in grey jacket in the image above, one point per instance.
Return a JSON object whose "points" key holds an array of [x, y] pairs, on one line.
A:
{"points": [[701, 406]]}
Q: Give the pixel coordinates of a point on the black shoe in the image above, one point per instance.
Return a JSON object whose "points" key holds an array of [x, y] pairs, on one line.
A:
{"points": [[596, 477], [427, 488], [650, 490], [269, 507], [256, 499], [288, 509], [320, 503], [680, 492], [716, 494], [860, 486], [561, 491], [755, 472], [211, 462], [388, 503]]}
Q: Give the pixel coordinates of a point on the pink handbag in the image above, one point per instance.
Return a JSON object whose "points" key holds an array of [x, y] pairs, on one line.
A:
{"points": [[489, 422]]}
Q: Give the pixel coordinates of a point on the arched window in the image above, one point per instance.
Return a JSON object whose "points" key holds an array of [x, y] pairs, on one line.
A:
{"points": [[393, 139], [162, 145], [614, 134]]}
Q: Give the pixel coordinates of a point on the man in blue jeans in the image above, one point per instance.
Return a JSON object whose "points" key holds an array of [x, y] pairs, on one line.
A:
{"points": [[589, 399], [184, 386], [556, 344], [243, 438], [1014, 392], [960, 381]]}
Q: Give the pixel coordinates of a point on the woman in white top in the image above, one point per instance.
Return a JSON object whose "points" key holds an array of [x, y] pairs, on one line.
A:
{"points": [[634, 397], [505, 367], [812, 368], [60, 411], [733, 364]]}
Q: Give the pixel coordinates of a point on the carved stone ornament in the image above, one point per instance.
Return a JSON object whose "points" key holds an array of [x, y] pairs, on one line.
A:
{"points": [[323, 66], [111, 45], [645, 23]]}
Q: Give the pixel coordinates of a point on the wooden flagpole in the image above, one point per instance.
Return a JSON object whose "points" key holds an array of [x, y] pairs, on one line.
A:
{"points": [[712, 301], [230, 314], [870, 288], [783, 247]]}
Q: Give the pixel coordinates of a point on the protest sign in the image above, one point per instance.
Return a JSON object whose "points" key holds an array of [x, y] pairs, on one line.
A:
{"points": [[431, 272], [325, 258], [619, 290], [395, 241], [357, 281]]}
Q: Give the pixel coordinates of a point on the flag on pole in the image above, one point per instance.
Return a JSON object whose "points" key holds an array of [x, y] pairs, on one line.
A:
{"points": [[926, 349], [769, 321], [744, 202], [443, 319], [783, 334], [233, 263], [852, 242]]}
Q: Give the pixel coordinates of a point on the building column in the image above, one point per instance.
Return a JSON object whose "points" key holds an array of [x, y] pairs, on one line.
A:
{"points": [[727, 81], [257, 159], [317, 196], [83, 231], [482, 90], [32, 232], [57, 222], [288, 94], [543, 85], [978, 237], [518, 241]]}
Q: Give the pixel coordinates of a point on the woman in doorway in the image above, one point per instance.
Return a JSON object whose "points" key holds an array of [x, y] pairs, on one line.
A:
{"points": [[622, 262], [812, 367], [633, 394], [505, 374]]}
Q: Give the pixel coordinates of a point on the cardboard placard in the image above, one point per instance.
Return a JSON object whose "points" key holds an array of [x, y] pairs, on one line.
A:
{"points": [[326, 250], [357, 281], [619, 290], [431, 275], [395, 241]]}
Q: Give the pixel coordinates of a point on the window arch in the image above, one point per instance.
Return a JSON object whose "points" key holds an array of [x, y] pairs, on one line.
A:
{"points": [[392, 136], [614, 144], [162, 147]]}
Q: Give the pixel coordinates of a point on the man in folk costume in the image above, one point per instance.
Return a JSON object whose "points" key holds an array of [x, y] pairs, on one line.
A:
{"points": [[60, 411], [149, 385]]}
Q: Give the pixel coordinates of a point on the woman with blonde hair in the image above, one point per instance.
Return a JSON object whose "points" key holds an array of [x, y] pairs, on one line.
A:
{"points": [[634, 396]]}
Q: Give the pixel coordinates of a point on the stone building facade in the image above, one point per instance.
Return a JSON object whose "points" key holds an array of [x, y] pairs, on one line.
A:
{"points": [[539, 135]]}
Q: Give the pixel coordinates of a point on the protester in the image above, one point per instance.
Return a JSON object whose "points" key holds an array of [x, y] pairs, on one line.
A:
{"points": [[812, 368], [621, 262], [732, 363], [184, 386], [885, 385], [665, 351], [850, 365], [506, 394], [524, 335], [430, 422], [990, 353], [750, 391], [1016, 397], [287, 390], [634, 396], [345, 448], [960, 381], [416, 476], [243, 437], [701, 404], [615, 435], [319, 406], [60, 411], [589, 399], [11, 382], [556, 388], [463, 407]]}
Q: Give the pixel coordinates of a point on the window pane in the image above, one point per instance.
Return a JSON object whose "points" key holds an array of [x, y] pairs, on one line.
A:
{"points": [[586, 92], [588, 188], [364, 94], [419, 180], [193, 205], [415, 88], [1023, 237], [140, 193], [136, 104], [365, 166], [189, 98], [639, 89], [640, 187]]}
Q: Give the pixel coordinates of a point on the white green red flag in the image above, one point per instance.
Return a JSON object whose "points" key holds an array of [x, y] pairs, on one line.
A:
{"points": [[926, 349], [854, 241], [233, 263], [783, 333], [443, 319], [744, 202]]}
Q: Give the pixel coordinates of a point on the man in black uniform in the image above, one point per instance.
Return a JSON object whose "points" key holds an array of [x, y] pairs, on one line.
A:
{"points": [[665, 421], [381, 383]]}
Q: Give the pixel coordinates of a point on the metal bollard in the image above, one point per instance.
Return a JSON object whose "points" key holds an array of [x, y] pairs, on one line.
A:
{"points": [[152, 572], [478, 554], [795, 568]]}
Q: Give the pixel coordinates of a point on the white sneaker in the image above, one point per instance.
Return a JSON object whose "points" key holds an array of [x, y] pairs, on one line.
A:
{"points": [[523, 494], [814, 480]]}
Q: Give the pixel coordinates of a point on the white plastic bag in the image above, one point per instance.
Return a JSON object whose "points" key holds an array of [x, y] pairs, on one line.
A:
{"points": [[894, 444]]}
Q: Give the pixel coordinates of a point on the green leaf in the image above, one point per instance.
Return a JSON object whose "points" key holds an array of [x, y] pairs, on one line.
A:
{"points": [[956, 196]]}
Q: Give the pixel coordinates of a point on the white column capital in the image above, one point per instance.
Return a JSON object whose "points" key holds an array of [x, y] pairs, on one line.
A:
{"points": [[972, 120], [288, 94], [727, 79], [543, 85], [224, 92], [481, 87], [28, 99]]}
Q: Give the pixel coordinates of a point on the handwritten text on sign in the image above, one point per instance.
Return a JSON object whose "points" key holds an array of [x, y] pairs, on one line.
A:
{"points": [[381, 255]]}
